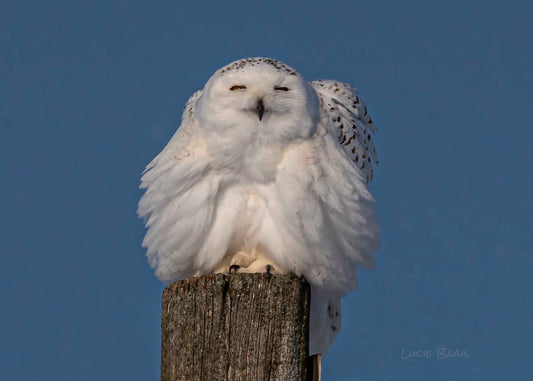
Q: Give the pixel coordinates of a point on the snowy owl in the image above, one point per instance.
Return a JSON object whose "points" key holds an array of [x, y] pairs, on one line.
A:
{"points": [[267, 172]]}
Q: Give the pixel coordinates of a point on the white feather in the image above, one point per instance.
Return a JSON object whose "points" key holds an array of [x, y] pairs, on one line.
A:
{"points": [[283, 185]]}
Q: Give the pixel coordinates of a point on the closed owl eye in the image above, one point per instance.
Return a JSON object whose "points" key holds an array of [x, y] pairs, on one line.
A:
{"points": [[281, 88], [237, 87]]}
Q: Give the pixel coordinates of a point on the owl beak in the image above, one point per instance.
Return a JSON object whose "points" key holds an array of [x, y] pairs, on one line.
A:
{"points": [[260, 109]]}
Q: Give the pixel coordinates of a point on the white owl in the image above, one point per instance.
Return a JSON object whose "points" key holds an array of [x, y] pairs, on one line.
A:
{"points": [[267, 172]]}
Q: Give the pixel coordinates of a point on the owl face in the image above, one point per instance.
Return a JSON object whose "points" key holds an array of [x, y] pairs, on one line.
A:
{"points": [[259, 98]]}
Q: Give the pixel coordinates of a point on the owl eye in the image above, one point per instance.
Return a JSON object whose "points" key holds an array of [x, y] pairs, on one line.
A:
{"points": [[237, 87], [281, 88]]}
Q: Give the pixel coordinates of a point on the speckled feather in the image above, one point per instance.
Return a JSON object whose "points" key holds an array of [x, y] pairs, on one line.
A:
{"points": [[350, 121]]}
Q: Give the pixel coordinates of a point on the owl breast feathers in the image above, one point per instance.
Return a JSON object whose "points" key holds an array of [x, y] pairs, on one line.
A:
{"points": [[267, 169]]}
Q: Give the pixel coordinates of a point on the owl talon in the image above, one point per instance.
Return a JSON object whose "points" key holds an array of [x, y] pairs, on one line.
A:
{"points": [[233, 269], [268, 269]]}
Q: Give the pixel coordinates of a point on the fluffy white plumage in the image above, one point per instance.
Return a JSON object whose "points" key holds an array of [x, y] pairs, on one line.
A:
{"points": [[267, 168]]}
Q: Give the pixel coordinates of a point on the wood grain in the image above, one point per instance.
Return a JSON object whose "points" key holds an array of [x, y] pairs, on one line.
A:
{"points": [[236, 327]]}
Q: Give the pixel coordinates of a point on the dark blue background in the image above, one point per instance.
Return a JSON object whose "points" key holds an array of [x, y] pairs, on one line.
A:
{"points": [[91, 92]]}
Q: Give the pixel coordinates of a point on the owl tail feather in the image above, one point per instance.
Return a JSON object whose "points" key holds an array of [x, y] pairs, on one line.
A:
{"points": [[317, 367]]}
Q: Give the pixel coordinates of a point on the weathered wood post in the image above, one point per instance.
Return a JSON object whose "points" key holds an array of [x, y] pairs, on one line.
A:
{"points": [[236, 327]]}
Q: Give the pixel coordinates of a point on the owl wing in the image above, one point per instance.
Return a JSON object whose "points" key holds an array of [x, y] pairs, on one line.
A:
{"points": [[324, 197], [179, 200], [175, 151], [327, 219], [325, 208], [178, 140], [350, 122]]}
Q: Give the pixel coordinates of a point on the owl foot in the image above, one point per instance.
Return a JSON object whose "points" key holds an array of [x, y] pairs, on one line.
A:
{"points": [[248, 262], [233, 269], [272, 270]]}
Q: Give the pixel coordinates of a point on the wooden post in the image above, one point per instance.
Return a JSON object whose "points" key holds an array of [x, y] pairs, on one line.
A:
{"points": [[236, 327]]}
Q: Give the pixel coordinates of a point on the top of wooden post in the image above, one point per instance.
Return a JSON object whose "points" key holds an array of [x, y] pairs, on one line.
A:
{"points": [[236, 327]]}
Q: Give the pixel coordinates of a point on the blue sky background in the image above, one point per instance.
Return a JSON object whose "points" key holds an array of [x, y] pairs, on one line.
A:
{"points": [[90, 92]]}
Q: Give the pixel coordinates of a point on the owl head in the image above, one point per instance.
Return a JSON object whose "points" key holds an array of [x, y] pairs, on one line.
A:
{"points": [[259, 97]]}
